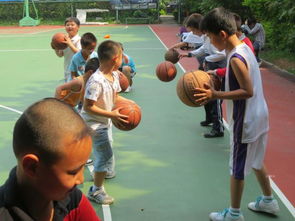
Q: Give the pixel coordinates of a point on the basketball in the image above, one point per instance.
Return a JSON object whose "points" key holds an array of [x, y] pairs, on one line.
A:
{"points": [[188, 82], [215, 82], [172, 56], [133, 112], [124, 83], [57, 41], [166, 71]]}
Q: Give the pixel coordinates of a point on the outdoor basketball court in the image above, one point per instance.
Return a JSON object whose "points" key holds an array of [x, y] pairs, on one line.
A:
{"points": [[165, 169]]}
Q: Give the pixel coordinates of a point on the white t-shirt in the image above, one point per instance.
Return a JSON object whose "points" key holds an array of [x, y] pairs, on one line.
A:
{"points": [[103, 92], [214, 55], [192, 38], [255, 120], [68, 54]]}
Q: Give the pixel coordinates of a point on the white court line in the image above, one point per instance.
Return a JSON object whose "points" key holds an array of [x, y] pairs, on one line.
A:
{"points": [[107, 216], [11, 109], [277, 190], [105, 208]]}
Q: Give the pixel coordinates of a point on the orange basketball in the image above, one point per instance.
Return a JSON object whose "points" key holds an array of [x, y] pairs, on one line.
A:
{"points": [[215, 82], [188, 82], [124, 83], [172, 55], [57, 41], [133, 112], [166, 71]]}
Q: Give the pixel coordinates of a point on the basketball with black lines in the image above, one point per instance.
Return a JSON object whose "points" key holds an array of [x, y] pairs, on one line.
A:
{"points": [[57, 41], [166, 71], [186, 86], [130, 109]]}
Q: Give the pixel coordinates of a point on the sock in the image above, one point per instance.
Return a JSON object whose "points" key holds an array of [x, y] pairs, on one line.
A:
{"points": [[95, 188], [234, 212], [267, 199]]}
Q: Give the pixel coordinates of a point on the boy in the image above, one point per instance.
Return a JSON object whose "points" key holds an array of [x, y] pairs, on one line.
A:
{"points": [[73, 41], [256, 29], [100, 95], [77, 66], [209, 58], [247, 114], [72, 92], [51, 143], [127, 68], [192, 39]]}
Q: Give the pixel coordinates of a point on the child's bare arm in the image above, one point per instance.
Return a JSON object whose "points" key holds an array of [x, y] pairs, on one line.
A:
{"points": [[70, 44], [178, 45], [246, 89], [89, 106], [73, 85]]}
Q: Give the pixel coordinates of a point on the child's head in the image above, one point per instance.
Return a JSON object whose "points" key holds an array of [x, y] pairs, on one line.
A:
{"points": [[251, 22], [72, 25], [219, 24], [193, 23], [52, 144], [91, 66], [88, 43], [238, 21], [110, 53]]}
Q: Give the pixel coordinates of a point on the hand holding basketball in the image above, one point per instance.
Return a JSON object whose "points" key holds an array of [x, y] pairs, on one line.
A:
{"points": [[58, 41], [203, 95], [119, 119]]}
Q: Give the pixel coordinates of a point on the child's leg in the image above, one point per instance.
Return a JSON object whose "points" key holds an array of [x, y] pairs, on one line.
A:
{"points": [[99, 178], [236, 190], [263, 180], [127, 72]]}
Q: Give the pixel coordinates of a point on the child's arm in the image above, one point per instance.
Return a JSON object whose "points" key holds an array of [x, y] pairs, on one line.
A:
{"points": [[70, 44], [178, 45], [89, 106], [246, 89], [73, 85], [59, 53]]}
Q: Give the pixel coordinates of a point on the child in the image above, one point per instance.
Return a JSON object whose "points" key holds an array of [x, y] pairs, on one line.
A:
{"points": [[73, 41], [77, 66], [256, 29], [193, 39], [51, 143], [72, 92], [209, 58], [247, 114], [100, 95], [127, 68]]}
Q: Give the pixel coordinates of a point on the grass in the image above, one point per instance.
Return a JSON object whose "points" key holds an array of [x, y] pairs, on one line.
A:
{"points": [[283, 59]]}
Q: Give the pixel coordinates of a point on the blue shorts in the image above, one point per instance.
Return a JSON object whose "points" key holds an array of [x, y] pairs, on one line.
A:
{"points": [[102, 149]]}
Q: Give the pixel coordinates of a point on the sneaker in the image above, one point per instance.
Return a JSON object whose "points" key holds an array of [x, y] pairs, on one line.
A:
{"points": [[99, 196], [110, 174], [128, 89], [205, 123], [225, 215], [261, 206], [89, 162], [214, 133]]}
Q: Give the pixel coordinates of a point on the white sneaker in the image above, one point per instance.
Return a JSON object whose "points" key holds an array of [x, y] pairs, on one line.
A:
{"points": [[261, 206], [110, 174], [89, 162], [225, 215], [99, 196], [128, 89]]}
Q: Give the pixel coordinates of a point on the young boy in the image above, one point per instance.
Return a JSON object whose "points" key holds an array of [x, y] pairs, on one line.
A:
{"points": [[51, 143], [100, 95], [127, 68], [247, 114], [193, 39], [72, 25], [77, 66], [72, 92], [209, 58], [256, 29]]}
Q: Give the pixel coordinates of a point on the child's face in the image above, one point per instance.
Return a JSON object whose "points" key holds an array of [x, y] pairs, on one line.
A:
{"points": [[55, 182], [71, 28], [217, 40], [89, 49], [196, 31]]}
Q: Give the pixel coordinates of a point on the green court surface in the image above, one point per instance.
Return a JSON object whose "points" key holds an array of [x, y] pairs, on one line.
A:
{"points": [[165, 169]]}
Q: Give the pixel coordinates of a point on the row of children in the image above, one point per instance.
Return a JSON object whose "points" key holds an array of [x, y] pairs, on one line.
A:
{"points": [[247, 113]]}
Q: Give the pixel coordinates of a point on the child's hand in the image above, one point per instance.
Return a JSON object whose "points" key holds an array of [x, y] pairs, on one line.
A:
{"points": [[182, 55], [204, 95], [68, 40], [213, 72], [119, 118]]}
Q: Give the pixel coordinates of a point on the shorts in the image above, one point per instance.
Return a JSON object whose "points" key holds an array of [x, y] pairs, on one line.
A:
{"points": [[102, 149], [247, 156]]}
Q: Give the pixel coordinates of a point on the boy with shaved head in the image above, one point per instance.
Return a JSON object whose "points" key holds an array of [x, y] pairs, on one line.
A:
{"points": [[52, 144]]}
